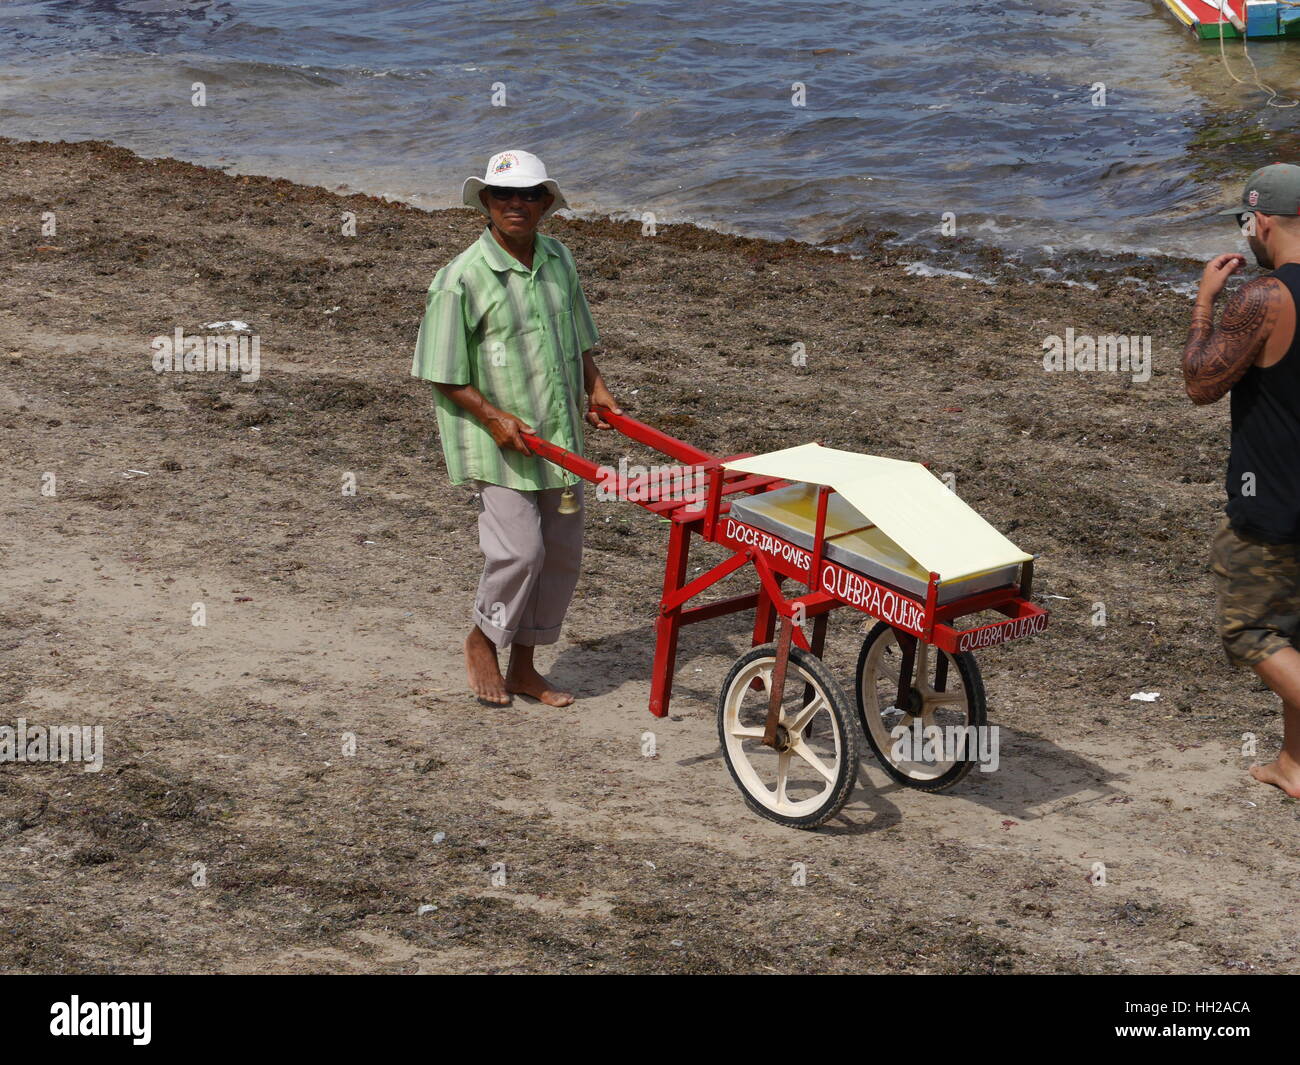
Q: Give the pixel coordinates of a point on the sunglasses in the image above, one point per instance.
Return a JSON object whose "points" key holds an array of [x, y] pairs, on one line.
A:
{"points": [[532, 195]]}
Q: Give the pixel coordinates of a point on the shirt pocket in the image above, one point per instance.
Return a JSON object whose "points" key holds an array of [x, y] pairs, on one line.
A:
{"points": [[554, 295]]}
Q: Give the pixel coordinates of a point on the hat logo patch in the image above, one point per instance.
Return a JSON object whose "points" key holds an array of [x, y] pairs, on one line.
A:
{"points": [[1253, 197], [506, 162]]}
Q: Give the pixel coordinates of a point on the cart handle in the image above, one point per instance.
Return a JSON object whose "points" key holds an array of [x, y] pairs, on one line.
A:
{"points": [[629, 427], [652, 437]]}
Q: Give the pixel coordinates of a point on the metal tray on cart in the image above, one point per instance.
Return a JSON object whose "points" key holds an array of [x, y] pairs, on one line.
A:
{"points": [[853, 541]]}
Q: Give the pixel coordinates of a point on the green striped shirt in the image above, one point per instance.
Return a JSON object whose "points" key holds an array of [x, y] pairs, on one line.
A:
{"points": [[517, 335]]}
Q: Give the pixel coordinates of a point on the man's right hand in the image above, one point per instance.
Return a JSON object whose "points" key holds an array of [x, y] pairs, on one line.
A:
{"points": [[505, 429]]}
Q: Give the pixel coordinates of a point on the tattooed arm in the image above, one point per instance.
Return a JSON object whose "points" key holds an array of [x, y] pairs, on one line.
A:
{"points": [[1216, 359]]}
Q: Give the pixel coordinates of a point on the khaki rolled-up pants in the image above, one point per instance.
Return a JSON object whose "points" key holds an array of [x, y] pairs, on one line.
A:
{"points": [[532, 555]]}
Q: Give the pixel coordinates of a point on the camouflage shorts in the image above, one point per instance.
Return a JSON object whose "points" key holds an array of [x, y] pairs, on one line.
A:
{"points": [[1258, 587]]}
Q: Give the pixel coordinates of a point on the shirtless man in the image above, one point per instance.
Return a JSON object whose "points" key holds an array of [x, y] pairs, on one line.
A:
{"points": [[1254, 353]]}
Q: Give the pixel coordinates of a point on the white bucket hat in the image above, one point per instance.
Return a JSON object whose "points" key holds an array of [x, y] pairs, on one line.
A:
{"points": [[512, 170]]}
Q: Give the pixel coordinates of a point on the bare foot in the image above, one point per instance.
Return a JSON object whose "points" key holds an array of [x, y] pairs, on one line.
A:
{"points": [[485, 678], [525, 680], [1283, 773]]}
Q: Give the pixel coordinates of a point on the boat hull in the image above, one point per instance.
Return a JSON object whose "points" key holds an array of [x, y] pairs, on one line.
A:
{"points": [[1263, 20]]}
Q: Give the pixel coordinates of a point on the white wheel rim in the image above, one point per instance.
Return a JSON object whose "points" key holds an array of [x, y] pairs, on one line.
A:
{"points": [[781, 780], [880, 691]]}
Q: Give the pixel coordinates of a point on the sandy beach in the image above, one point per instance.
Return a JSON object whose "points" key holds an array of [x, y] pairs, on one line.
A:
{"points": [[228, 830]]}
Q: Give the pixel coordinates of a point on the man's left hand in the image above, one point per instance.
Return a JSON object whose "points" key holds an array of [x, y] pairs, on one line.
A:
{"points": [[600, 397], [1216, 274]]}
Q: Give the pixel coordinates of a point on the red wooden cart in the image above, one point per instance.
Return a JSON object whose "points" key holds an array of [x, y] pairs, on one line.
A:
{"points": [[792, 747]]}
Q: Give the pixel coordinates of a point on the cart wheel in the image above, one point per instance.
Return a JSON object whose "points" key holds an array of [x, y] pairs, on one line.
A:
{"points": [[946, 691], [804, 781]]}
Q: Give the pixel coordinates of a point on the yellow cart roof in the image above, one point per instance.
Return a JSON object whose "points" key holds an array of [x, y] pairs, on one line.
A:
{"points": [[904, 500]]}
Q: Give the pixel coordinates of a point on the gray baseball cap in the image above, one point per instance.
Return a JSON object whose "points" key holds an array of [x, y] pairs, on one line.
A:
{"points": [[1272, 189]]}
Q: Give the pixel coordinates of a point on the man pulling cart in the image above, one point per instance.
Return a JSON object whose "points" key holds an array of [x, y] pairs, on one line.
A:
{"points": [[507, 330], [507, 340]]}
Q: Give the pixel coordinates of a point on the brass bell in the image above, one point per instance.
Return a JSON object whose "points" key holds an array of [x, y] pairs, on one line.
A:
{"points": [[568, 501]]}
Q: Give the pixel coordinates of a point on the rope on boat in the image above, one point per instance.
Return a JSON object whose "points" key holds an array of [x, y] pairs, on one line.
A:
{"points": [[1273, 95]]}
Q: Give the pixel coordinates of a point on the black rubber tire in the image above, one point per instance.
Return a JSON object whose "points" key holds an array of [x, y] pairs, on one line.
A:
{"points": [[812, 667], [976, 714]]}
